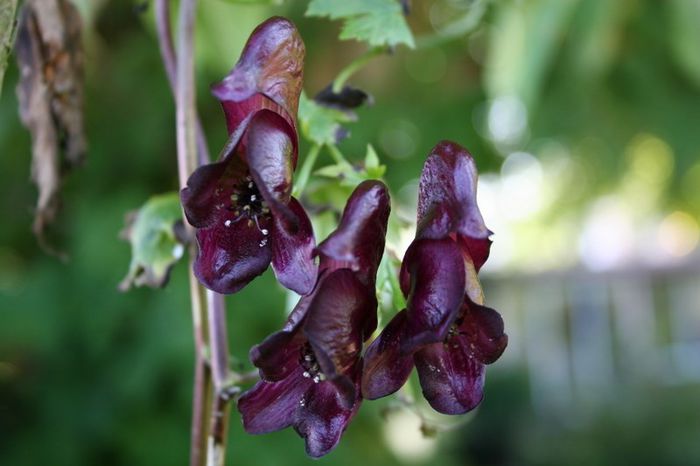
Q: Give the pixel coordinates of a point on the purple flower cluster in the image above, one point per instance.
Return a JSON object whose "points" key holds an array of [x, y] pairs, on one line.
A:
{"points": [[314, 373]]}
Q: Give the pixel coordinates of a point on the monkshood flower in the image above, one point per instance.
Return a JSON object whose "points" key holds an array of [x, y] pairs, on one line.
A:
{"points": [[445, 330], [310, 370], [241, 205]]}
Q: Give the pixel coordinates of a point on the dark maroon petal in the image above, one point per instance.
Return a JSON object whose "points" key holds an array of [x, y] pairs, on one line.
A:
{"points": [[437, 276], [231, 254], [322, 419], [483, 328], [335, 325], [447, 200], [451, 378], [278, 355], [271, 406], [385, 369], [271, 65], [269, 156], [292, 251], [209, 187], [358, 242]]}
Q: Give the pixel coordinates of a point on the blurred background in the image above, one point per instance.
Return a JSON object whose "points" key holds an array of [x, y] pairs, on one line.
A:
{"points": [[583, 118]]}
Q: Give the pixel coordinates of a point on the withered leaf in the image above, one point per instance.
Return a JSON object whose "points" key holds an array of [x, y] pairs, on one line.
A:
{"points": [[50, 93]]}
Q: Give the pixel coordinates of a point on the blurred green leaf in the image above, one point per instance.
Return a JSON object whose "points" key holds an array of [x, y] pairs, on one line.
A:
{"points": [[319, 124], [684, 35], [373, 168], [377, 22], [7, 33], [155, 246]]}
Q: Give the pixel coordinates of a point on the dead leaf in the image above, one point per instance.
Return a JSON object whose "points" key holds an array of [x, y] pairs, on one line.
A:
{"points": [[50, 93]]}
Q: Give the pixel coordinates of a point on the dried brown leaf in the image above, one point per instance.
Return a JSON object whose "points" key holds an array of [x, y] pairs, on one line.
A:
{"points": [[50, 93]]}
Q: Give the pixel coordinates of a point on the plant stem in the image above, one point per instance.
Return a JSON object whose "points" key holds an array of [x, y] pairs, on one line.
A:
{"points": [[355, 66], [188, 161], [167, 53], [459, 28], [336, 154], [305, 171], [223, 390]]}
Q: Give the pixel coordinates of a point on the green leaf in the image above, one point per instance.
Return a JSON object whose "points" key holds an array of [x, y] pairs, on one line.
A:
{"points": [[351, 175], [254, 2], [373, 169], [7, 33], [377, 22], [321, 125], [155, 246]]}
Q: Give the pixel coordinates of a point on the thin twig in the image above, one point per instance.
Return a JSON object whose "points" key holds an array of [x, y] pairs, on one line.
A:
{"points": [[188, 161], [223, 390], [167, 52]]}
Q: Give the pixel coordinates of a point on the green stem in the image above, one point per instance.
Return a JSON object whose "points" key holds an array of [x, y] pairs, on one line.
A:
{"points": [[457, 29], [355, 66], [336, 154], [305, 171]]}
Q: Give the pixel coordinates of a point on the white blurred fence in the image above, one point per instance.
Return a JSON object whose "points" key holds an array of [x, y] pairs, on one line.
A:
{"points": [[581, 335]]}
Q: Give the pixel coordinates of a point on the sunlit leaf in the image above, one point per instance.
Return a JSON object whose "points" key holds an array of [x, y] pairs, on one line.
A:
{"points": [[377, 22], [155, 243]]}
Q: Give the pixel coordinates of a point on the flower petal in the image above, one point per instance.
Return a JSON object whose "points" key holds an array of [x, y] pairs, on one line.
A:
{"points": [[385, 369], [447, 200], [451, 378], [231, 254], [341, 315], [322, 419], [358, 242], [269, 154], [292, 252], [483, 327], [437, 282], [271, 65], [271, 406], [278, 355]]}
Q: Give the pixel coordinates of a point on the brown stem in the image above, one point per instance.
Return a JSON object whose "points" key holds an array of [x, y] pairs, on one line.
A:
{"points": [[201, 392], [167, 53], [182, 79], [221, 374]]}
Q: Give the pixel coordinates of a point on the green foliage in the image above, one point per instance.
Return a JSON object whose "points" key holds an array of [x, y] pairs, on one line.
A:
{"points": [[377, 22], [155, 246], [7, 32], [321, 125], [352, 175]]}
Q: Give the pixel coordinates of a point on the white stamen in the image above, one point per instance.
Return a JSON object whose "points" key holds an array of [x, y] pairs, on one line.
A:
{"points": [[253, 197], [307, 357], [306, 374], [317, 379], [250, 184], [227, 223], [264, 231]]}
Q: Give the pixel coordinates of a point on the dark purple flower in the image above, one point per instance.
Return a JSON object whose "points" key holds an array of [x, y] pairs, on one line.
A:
{"points": [[241, 206], [310, 369], [445, 331]]}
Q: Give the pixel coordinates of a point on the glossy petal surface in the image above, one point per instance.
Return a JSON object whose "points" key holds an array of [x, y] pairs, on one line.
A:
{"points": [[385, 369], [436, 272], [322, 419], [451, 378], [292, 251], [483, 327], [270, 67], [358, 242], [271, 406], [447, 200]]}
